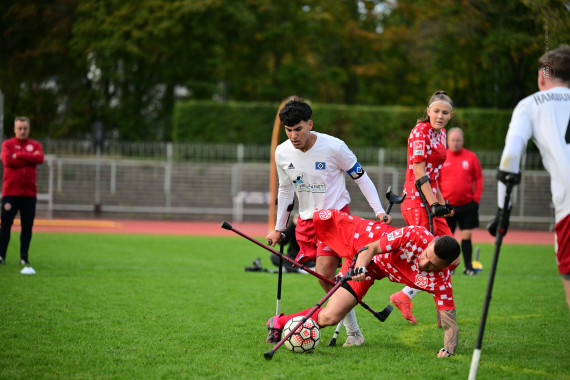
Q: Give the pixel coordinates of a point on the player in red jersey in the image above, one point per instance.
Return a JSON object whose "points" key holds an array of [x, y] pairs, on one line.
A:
{"points": [[426, 155], [461, 184], [408, 255]]}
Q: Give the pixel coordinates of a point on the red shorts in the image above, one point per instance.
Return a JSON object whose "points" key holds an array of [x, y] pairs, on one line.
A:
{"points": [[309, 247], [562, 234], [360, 288], [417, 216]]}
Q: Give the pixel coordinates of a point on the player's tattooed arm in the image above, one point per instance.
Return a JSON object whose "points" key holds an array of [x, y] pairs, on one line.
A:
{"points": [[451, 332]]}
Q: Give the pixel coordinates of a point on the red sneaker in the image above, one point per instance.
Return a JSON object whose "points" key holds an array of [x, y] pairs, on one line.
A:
{"points": [[403, 303]]}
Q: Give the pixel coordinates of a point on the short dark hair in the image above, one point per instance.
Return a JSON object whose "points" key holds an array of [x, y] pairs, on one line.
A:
{"points": [[447, 248], [557, 62], [23, 119], [294, 112]]}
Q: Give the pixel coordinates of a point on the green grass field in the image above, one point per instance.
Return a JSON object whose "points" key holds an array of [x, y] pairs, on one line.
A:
{"points": [[163, 307]]}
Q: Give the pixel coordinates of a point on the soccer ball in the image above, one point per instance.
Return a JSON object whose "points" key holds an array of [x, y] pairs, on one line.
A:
{"points": [[305, 339]]}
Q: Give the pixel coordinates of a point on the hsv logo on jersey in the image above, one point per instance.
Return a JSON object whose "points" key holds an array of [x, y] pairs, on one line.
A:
{"points": [[325, 214], [419, 148], [395, 234], [320, 166]]}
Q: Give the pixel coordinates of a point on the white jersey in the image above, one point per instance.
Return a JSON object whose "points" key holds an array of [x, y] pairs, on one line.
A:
{"points": [[545, 117], [317, 176]]}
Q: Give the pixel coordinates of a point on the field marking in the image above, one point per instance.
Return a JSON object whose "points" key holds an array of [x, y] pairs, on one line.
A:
{"points": [[73, 223]]}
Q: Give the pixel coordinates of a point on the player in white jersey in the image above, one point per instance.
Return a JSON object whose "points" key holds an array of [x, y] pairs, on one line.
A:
{"points": [[313, 166], [545, 117]]}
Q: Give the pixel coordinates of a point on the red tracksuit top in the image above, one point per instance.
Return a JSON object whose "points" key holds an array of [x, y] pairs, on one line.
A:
{"points": [[20, 171], [461, 178]]}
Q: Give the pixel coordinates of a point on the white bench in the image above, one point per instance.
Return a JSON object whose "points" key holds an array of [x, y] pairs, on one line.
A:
{"points": [[248, 197]]}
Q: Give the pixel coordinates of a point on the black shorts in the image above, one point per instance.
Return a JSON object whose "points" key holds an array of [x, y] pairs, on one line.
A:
{"points": [[467, 216]]}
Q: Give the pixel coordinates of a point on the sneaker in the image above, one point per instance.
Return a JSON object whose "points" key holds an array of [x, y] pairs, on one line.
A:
{"points": [[354, 339], [469, 272], [403, 303], [274, 329], [24, 262]]}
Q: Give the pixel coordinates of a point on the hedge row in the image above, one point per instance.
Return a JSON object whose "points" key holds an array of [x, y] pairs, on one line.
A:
{"points": [[386, 126]]}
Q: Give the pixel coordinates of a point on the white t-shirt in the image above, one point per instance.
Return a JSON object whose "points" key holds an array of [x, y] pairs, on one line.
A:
{"points": [[317, 176], [544, 117]]}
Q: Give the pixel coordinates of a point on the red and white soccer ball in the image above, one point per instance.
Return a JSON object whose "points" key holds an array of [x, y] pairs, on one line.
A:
{"points": [[305, 339]]}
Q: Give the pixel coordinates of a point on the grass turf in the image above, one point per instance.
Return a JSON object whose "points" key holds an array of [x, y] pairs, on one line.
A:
{"points": [[163, 307]]}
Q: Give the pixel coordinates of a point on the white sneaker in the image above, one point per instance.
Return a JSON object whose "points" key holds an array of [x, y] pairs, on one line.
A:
{"points": [[354, 339]]}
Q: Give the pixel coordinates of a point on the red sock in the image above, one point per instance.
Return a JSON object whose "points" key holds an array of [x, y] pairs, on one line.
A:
{"points": [[282, 320]]}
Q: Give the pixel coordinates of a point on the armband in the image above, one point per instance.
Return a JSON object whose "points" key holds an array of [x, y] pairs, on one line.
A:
{"points": [[356, 171], [422, 180]]}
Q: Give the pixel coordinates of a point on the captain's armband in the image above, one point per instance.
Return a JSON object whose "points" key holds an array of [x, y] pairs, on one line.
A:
{"points": [[356, 171]]}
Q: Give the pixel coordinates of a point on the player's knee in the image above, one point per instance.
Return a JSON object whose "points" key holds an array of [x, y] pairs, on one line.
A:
{"points": [[328, 318]]}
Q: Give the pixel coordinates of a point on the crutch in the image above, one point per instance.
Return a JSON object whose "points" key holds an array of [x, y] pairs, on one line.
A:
{"points": [[430, 222], [380, 315], [392, 200], [281, 245], [347, 276], [510, 180]]}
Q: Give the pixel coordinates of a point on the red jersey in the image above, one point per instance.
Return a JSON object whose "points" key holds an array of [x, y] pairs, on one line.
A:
{"points": [[424, 145], [401, 248], [461, 178], [20, 171]]}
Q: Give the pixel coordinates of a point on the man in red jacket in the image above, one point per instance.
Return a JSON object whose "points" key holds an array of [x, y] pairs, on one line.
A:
{"points": [[461, 183], [20, 156]]}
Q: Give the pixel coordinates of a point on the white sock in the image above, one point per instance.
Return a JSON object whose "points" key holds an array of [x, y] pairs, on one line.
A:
{"points": [[350, 322], [411, 292]]}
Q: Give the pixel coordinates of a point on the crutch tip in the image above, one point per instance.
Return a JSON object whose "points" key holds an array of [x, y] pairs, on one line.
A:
{"points": [[269, 355], [226, 225]]}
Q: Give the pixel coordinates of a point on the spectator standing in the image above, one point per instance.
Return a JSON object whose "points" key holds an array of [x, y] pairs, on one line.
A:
{"points": [[461, 184], [20, 156]]}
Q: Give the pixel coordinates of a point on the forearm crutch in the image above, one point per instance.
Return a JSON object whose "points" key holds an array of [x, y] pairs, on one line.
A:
{"points": [[281, 248], [347, 276], [430, 222], [510, 180], [381, 315], [392, 200]]}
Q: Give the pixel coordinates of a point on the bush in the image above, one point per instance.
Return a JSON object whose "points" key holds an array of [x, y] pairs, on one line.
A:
{"points": [[362, 126]]}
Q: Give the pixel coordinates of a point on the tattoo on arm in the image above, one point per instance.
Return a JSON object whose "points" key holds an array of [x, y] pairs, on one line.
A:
{"points": [[451, 331]]}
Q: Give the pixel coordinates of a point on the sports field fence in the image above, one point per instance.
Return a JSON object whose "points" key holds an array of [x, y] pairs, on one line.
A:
{"points": [[210, 182]]}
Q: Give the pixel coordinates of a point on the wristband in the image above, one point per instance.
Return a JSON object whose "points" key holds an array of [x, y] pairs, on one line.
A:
{"points": [[446, 350]]}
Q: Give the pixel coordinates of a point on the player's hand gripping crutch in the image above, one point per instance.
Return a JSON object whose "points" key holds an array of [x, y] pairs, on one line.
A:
{"points": [[347, 276], [381, 315], [392, 200]]}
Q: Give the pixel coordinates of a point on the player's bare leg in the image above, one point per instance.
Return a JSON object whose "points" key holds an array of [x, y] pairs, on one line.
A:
{"points": [[566, 284], [338, 306], [327, 266]]}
